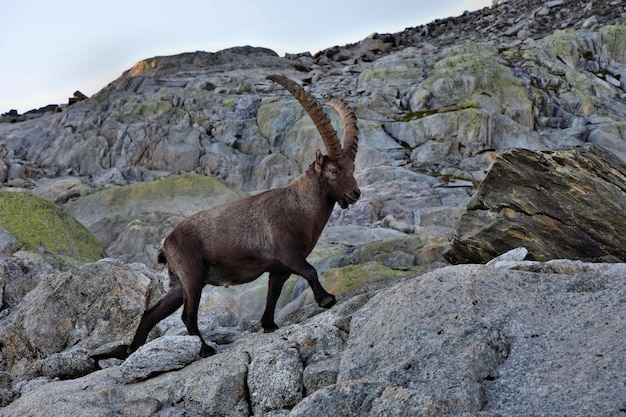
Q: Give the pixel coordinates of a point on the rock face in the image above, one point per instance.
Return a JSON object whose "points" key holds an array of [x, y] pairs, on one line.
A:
{"points": [[433, 114], [464, 339], [431, 122], [558, 204]]}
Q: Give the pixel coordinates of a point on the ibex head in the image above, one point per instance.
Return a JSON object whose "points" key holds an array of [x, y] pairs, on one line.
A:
{"points": [[336, 169]]}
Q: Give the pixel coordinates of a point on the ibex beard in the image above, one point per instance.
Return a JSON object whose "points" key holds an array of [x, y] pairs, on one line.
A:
{"points": [[274, 231]]}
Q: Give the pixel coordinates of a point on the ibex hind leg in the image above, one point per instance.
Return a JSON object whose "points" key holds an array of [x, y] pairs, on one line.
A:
{"points": [[163, 308], [192, 293]]}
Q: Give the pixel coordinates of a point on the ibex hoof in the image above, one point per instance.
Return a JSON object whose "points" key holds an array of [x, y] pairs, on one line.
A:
{"points": [[111, 350], [206, 351], [328, 301], [270, 329]]}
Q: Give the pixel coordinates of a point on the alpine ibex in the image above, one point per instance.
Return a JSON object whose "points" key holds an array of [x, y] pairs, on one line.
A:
{"points": [[274, 231]]}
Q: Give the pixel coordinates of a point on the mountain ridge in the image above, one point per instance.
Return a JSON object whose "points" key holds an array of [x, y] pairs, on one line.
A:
{"points": [[506, 22]]}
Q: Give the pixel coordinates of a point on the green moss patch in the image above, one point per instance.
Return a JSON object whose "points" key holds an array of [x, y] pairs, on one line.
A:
{"points": [[40, 225], [353, 277]]}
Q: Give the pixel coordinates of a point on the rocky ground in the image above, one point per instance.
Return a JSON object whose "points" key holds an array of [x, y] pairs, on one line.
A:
{"points": [[439, 107]]}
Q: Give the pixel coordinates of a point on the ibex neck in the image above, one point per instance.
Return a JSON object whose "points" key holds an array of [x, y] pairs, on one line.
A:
{"points": [[311, 191], [311, 200]]}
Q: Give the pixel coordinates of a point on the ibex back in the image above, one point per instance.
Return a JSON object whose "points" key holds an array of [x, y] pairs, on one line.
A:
{"points": [[275, 231]]}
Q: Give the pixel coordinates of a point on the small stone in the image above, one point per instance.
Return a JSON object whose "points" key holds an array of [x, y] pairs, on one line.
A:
{"points": [[523, 34], [514, 255], [67, 365], [590, 22], [163, 354]]}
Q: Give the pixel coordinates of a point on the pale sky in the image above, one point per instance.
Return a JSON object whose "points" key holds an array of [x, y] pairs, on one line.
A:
{"points": [[49, 49]]}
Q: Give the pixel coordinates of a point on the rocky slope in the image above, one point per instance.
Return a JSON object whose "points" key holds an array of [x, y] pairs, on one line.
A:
{"points": [[513, 338], [437, 104]]}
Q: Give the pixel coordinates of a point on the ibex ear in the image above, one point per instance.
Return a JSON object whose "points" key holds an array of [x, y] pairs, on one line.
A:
{"points": [[320, 162]]}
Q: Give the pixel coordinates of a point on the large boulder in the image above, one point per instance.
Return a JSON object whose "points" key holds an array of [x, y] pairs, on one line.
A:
{"points": [[164, 354], [98, 303], [468, 339], [557, 204]]}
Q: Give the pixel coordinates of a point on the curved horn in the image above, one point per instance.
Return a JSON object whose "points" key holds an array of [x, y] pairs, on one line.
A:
{"points": [[351, 130], [316, 112]]}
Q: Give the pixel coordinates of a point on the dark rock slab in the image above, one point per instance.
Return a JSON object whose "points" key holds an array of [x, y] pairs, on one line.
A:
{"points": [[559, 204]]}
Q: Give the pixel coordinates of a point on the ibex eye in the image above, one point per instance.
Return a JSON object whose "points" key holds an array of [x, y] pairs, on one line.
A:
{"points": [[334, 170]]}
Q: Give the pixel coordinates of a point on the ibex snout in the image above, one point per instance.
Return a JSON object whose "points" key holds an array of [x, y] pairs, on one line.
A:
{"points": [[350, 197]]}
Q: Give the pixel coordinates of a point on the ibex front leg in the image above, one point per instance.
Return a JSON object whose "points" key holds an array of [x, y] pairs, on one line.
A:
{"points": [[274, 288], [300, 266]]}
